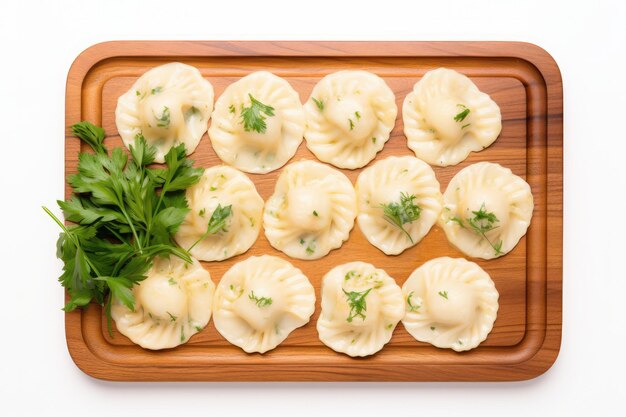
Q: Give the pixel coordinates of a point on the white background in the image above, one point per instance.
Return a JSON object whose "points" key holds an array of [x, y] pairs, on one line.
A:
{"points": [[39, 42]]}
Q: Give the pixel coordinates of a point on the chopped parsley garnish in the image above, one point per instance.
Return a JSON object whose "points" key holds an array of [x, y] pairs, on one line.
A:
{"points": [[302, 242], [373, 140], [217, 223], [482, 222], [356, 301], [156, 90], [231, 109], [315, 213], [464, 126], [212, 188], [412, 307], [351, 124], [462, 114], [443, 294], [318, 103], [164, 120], [201, 212], [252, 117], [310, 249], [198, 328], [260, 301], [172, 317], [432, 328], [357, 115], [351, 274], [401, 213], [172, 281]]}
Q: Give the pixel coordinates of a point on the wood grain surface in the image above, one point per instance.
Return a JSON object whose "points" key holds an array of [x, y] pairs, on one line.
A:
{"points": [[525, 82]]}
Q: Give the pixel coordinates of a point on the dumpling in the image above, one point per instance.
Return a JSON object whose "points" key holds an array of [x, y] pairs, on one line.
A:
{"points": [[258, 123], [260, 301], [361, 306], [446, 117], [172, 304], [169, 105], [450, 303], [487, 209], [225, 215], [349, 117], [398, 201], [311, 211]]}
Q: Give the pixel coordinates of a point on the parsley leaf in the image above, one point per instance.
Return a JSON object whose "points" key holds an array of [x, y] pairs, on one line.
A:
{"points": [[252, 117], [217, 223], [402, 212], [90, 134]]}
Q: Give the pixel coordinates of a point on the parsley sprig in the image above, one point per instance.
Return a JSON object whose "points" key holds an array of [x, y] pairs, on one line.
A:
{"points": [[124, 215], [356, 301], [482, 222], [402, 212], [260, 301], [252, 117], [217, 223]]}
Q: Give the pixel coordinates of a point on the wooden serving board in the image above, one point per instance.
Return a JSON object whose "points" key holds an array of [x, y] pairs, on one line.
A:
{"points": [[522, 78]]}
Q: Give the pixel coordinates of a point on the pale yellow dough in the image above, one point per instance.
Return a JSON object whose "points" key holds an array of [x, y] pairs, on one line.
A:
{"points": [[172, 304], [450, 303], [350, 115], [311, 211], [221, 185], [384, 183], [446, 117], [254, 151], [260, 301], [500, 192], [169, 105], [359, 334]]}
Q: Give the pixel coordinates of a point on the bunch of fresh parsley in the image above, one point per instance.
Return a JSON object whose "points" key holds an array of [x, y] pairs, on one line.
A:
{"points": [[125, 214]]}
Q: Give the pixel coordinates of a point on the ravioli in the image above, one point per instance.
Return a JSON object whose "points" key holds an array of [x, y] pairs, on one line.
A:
{"points": [[487, 210], [260, 301], [222, 192], [450, 303], [258, 123], [311, 211], [446, 117], [398, 200], [172, 304], [361, 306], [349, 115], [169, 105]]}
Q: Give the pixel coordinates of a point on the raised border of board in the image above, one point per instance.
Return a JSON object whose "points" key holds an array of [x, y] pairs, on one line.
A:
{"points": [[548, 120]]}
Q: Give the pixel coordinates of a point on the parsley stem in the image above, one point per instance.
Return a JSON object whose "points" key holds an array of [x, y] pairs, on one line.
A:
{"points": [[117, 235], [132, 228]]}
